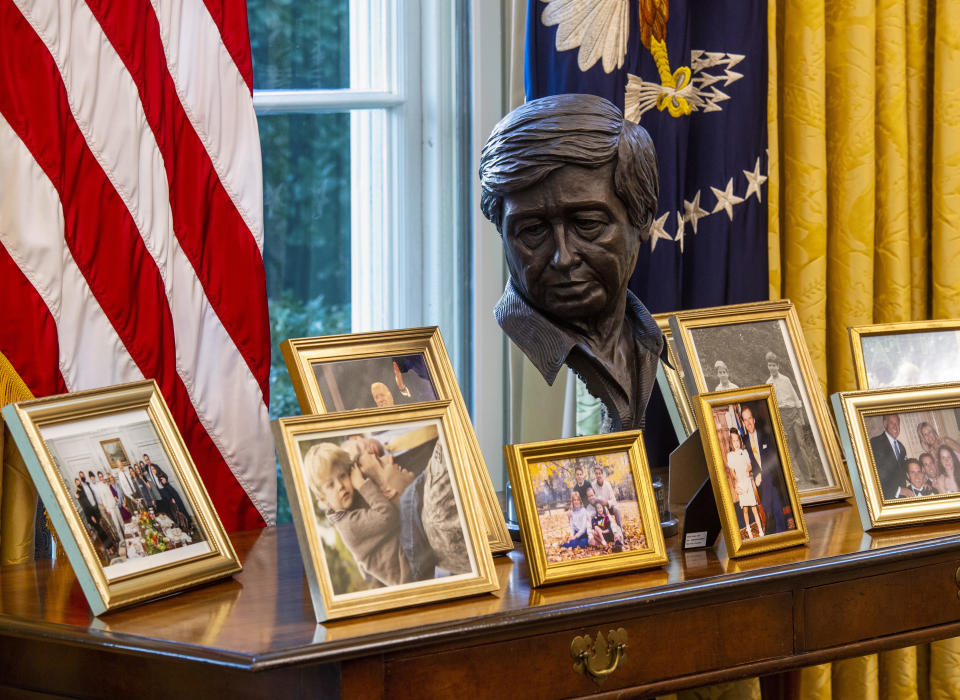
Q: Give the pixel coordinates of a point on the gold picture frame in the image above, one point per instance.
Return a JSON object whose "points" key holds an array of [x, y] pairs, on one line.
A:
{"points": [[770, 508], [539, 473], [163, 547], [926, 425], [912, 353], [304, 355], [346, 576], [115, 451], [670, 381], [741, 337]]}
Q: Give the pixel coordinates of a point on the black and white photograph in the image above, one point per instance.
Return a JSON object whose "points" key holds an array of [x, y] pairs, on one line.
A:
{"points": [[386, 506], [347, 385], [760, 352], [135, 515]]}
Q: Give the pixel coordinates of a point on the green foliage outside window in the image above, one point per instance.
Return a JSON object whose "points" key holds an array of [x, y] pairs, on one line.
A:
{"points": [[306, 181]]}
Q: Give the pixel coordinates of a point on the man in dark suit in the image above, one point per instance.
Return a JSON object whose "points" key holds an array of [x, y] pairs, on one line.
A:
{"points": [[767, 472], [411, 387], [889, 456], [86, 496]]}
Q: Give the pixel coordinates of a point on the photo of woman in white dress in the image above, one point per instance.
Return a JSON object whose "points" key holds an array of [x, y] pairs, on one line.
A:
{"points": [[739, 463]]}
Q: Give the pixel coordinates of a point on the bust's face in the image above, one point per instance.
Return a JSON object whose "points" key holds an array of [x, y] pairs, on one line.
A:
{"points": [[568, 243]]}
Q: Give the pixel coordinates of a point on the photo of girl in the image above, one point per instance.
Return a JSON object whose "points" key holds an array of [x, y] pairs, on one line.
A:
{"points": [[738, 463]]}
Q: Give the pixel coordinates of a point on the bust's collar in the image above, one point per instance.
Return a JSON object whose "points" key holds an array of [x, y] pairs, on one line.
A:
{"points": [[547, 345]]}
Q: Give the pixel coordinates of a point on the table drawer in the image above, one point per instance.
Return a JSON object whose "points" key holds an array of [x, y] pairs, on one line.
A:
{"points": [[881, 605], [680, 643]]}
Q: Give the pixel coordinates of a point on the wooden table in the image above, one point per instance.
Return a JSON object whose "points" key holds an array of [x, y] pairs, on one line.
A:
{"points": [[702, 619]]}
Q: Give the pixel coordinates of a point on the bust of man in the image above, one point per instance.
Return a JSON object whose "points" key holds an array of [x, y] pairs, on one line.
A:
{"points": [[572, 188]]}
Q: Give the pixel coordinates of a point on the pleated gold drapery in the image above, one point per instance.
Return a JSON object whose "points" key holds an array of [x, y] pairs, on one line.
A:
{"points": [[18, 498], [865, 218]]}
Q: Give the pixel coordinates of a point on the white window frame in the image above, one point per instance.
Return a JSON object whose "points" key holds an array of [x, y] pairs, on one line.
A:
{"points": [[490, 411], [411, 210]]}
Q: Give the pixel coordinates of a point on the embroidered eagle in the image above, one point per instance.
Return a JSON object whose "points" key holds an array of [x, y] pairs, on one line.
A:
{"points": [[601, 29]]}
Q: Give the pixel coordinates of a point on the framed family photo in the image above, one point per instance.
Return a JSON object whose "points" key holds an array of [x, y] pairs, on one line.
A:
{"points": [[903, 452], [341, 373], [750, 470], [122, 493], [913, 353], [586, 506], [728, 347], [670, 381], [384, 508]]}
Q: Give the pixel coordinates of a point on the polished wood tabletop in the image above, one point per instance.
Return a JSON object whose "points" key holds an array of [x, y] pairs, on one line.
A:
{"points": [[262, 617]]}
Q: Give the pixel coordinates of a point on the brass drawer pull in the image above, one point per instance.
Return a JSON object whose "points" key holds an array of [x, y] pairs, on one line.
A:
{"points": [[598, 661]]}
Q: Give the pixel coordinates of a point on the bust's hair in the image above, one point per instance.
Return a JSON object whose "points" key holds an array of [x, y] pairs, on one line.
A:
{"points": [[542, 136]]}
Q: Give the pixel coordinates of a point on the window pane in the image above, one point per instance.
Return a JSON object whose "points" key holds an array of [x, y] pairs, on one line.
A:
{"points": [[300, 45], [306, 184]]}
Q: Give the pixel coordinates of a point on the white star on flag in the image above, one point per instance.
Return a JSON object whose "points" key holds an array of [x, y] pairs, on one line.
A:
{"points": [[657, 232], [726, 199], [680, 231], [692, 211], [755, 179]]}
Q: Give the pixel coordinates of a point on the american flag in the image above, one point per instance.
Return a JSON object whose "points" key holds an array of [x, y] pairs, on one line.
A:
{"points": [[131, 224]]}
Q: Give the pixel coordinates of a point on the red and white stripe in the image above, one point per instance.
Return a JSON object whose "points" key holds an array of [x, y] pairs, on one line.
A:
{"points": [[131, 221]]}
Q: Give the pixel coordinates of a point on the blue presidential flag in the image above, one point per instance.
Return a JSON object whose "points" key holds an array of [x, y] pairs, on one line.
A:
{"points": [[694, 74]]}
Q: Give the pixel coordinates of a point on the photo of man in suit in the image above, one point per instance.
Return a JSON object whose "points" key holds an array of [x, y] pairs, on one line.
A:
{"points": [[890, 456], [766, 470]]}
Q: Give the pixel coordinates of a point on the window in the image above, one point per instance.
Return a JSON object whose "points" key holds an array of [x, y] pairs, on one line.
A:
{"points": [[364, 117]]}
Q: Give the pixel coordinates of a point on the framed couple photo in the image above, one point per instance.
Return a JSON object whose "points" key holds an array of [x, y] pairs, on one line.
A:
{"points": [[410, 367], [903, 452], [586, 506], [122, 493], [384, 506], [728, 347], [750, 470]]}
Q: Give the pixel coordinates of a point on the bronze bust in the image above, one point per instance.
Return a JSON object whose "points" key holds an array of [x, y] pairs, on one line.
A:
{"points": [[572, 188]]}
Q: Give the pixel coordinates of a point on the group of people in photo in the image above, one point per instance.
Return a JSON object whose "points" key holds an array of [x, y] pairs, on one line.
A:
{"points": [[595, 517], [927, 471], [754, 473], [132, 511]]}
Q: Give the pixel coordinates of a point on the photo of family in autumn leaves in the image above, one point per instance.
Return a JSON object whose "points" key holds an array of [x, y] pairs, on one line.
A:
{"points": [[587, 506]]}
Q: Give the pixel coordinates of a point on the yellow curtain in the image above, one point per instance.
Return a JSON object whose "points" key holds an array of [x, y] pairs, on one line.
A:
{"points": [[865, 217], [18, 498]]}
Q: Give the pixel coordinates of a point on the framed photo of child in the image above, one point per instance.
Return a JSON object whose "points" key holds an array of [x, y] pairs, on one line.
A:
{"points": [[750, 470], [586, 506], [384, 508], [407, 367], [726, 347], [132, 529], [903, 452]]}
